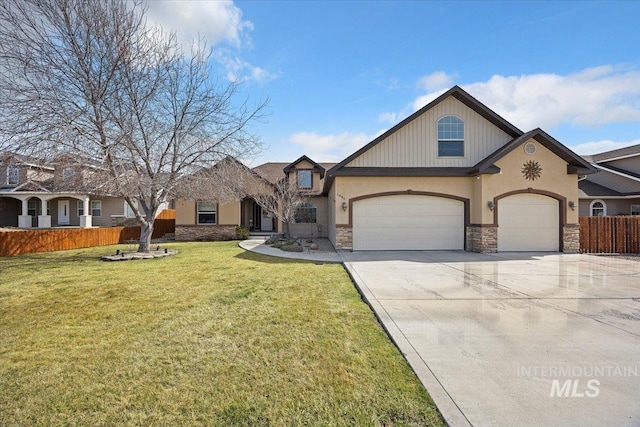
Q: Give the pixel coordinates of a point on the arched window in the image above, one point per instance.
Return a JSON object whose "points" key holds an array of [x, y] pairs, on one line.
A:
{"points": [[306, 213], [450, 137], [598, 208]]}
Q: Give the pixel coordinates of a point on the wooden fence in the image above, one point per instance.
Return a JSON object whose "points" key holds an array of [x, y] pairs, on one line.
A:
{"points": [[610, 234], [57, 239]]}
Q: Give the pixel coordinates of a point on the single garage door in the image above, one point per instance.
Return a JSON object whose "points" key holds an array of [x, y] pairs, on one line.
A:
{"points": [[528, 222], [408, 222]]}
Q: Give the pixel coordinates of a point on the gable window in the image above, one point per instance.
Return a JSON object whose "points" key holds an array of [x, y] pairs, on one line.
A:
{"points": [[306, 213], [305, 179], [12, 174], [598, 208], [635, 209], [450, 137], [67, 173], [96, 208], [207, 213]]}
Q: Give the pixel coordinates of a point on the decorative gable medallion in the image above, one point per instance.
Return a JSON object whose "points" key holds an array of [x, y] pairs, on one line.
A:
{"points": [[531, 170]]}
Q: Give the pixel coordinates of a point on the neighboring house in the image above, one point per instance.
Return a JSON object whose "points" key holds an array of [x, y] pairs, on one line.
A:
{"points": [[452, 176], [615, 189], [34, 194]]}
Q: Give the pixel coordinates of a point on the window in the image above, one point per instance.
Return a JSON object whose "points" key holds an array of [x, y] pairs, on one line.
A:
{"points": [[96, 207], [80, 208], [32, 206], [450, 137], [305, 214], [67, 173], [206, 213], [128, 210], [304, 179], [48, 207], [598, 208], [635, 209], [12, 174]]}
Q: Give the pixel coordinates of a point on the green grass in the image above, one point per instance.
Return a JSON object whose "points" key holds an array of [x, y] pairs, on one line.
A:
{"points": [[213, 336]]}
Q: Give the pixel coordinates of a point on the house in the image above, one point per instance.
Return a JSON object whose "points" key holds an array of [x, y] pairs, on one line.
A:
{"points": [[454, 175], [39, 194], [615, 189]]}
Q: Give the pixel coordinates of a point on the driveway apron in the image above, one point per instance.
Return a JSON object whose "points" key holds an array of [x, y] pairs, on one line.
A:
{"points": [[509, 339]]}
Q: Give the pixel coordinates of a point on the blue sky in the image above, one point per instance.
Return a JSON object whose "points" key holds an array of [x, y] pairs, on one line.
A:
{"points": [[339, 73]]}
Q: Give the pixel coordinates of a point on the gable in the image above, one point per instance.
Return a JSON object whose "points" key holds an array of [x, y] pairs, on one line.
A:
{"points": [[416, 145]]}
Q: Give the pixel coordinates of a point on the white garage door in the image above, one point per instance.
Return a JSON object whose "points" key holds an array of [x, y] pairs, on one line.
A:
{"points": [[408, 222], [528, 222]]}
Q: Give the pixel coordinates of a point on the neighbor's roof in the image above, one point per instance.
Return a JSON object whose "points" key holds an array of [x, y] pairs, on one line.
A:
{"points": [[591, 189], [632, 150], [274, 171]]}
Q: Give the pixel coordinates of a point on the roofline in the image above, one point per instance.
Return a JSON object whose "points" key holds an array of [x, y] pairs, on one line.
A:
{"points": [[615, 158], [291, 165], [616, 172], [617, 150], [458, 93], [581, 168]]}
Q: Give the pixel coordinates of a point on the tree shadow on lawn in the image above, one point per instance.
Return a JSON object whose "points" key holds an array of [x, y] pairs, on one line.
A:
{"points": [[267, 259]]}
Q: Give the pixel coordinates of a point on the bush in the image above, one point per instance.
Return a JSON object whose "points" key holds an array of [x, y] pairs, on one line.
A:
{"points": [[242, 232]]}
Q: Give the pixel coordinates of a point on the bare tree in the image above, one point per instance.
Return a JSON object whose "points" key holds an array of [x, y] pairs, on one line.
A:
{"points": [[230, 180], [92, 81]]}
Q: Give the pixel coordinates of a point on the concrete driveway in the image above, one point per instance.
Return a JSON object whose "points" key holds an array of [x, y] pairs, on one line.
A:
{"points": [[513, 339]]}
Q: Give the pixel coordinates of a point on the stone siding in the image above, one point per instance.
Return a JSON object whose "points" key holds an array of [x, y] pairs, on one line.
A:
{"points": [[344, 238], [571, 238], [482, 239], [205, 232]]}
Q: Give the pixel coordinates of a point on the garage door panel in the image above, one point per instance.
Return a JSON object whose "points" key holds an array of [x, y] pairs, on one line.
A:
{"points": [[528, 222], [408, 222]]}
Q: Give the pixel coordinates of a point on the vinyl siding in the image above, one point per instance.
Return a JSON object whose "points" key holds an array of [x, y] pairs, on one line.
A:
{"points": [[416, 144]]}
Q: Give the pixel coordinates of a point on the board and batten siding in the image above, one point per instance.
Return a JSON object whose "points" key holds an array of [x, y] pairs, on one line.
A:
{"points": [[416, 143]]}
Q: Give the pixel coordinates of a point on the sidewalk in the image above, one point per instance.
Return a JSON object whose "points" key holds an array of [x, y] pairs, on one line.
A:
{"points": [[325, 252]]}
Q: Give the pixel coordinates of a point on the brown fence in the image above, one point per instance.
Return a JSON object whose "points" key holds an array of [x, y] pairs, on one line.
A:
{"points": [[610, 234], [57, 239]]}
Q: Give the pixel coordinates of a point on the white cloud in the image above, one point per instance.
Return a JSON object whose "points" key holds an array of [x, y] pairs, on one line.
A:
{"points": [[217, 21], [591, 97], [596, 147], [330, 148], [389, 117], [220, 23], [435, 81]]}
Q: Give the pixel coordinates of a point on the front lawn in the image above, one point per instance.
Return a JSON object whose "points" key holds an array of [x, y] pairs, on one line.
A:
{"points": [[213, 336]]}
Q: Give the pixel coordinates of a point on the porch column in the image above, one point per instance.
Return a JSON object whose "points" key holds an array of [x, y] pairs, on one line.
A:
{"points": [[24, 220], [86, 218], [44, 220]]}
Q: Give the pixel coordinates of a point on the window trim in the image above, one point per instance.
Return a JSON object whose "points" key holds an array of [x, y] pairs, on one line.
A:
{"points": [[99, 209], [604, 207], [214, 212], [450, 140], [310, 172], [81, 208], [13, 171], [308, 206], [637, 209], [35, 207]]}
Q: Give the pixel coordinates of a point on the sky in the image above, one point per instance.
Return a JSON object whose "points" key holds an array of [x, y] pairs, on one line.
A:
{"points": [[339, 73]]}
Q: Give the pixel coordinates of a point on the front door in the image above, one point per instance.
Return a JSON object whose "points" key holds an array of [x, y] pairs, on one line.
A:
{"points": [[63, 212]]}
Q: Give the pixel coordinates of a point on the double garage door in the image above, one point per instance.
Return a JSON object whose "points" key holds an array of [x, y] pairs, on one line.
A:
{"points": [[527, 222]]}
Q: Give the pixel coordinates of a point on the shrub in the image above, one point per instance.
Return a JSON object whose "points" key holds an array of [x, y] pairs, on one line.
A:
{"points": [[291, 248], [242, 232]]}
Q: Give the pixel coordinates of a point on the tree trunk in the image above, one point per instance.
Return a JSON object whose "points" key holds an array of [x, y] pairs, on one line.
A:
{"points": [[287, 230], [146, 231]]}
